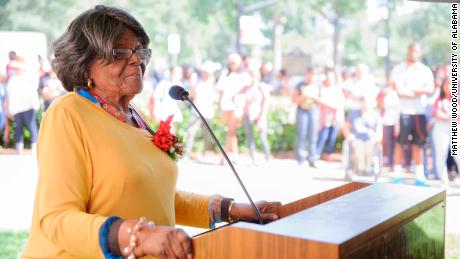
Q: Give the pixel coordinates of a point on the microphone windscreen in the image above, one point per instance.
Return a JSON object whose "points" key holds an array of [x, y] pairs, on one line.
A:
{"points": [[177, 93]]}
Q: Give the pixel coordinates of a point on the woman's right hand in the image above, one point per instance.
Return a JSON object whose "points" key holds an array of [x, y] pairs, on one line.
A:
{"points": [[159, 241], [166, 242]]}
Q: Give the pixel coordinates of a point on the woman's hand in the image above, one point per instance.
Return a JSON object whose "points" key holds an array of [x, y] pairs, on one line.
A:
{"points": [[243, 211], [159, 241], [166, 242]]}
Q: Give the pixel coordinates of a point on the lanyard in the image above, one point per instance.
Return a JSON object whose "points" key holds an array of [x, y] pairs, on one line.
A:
{"points": [[93, 97]]}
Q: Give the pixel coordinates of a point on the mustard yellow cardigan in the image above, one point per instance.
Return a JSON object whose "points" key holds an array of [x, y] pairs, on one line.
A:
{"points": [[92, 166]]}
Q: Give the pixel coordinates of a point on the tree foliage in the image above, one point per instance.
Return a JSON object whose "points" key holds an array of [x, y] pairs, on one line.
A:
{"points": [[430, 26], [427, 25], [42, 15], [208, 27]]}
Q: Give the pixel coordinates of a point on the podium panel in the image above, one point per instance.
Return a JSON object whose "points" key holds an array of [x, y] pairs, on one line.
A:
{"points": [[355, 220]]}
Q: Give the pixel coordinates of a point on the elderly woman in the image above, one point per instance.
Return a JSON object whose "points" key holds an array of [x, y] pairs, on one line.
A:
{"points": [[104, 189]]}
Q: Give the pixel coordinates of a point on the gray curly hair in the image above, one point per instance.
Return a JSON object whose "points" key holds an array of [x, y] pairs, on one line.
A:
{"points": [[91, 35]]}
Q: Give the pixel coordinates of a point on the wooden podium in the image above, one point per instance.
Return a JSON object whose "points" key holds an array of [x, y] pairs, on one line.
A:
{"points": [[356, 220]]}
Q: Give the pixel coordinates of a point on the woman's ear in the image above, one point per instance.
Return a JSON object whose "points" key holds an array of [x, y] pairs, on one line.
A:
{"points": [[88, 72]]}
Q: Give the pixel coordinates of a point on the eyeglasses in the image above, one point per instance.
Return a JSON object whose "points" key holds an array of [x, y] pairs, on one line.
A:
{"points": [[144, 54]]}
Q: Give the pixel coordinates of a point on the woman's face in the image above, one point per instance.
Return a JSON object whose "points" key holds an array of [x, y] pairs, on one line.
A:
{"points": [[310, 76], [447, 88], [122, 75], [330, 79]]}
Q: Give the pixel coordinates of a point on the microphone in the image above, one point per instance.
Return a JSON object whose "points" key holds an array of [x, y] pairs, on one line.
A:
{"points": [[180, 94]]}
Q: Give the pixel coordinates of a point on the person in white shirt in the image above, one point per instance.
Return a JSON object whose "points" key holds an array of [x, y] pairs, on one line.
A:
{"points": [[390, 120], [257, 96], [164, 104], [365, 135], [441, 129], [439, 75], [232, 104], [413, 82], [347, 84], [305, 95], [331, 104], [50, 88], [205, 96], [363, 87], [3, 109], [23, 102]]}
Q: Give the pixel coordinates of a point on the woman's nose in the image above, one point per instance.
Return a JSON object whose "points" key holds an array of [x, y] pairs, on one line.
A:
{"points": [[135, 59]]}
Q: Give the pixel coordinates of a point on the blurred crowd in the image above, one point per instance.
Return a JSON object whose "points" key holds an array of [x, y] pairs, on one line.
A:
{"points": [[402, 125], [25, 87]]}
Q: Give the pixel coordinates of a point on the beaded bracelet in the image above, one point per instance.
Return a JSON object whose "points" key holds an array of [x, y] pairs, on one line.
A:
{"points": [[133, 239]]}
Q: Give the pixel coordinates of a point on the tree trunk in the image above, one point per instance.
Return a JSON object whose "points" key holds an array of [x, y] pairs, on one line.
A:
{"points": [[238, 27], [277, 50], [336, 42]]}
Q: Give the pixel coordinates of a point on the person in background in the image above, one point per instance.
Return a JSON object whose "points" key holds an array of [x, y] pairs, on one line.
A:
{"points": [[151, 80], [413, 82], [366, 135], [284, 90], [244, 67], [10, 69], [266, 73], [439, 76], [142, 101], [453, 162], [164, 104], [3, 109], [257, 96], [331, 104], [23, 102], [283, 86], [389, 108], [441, 129], [205, 97], [305, 97], [347, 83], [232, 104], [363, 87], [50, 88], [43, 65], [103, 172], [189, 77]]}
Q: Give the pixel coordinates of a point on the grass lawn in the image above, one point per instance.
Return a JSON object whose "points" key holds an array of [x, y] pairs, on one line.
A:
{"points": [[453, 246], [12, 243]]}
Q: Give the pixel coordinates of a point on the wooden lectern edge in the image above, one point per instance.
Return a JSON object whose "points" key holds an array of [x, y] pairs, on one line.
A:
{"points": [[304, 203], [319, 198], [235, 241], [398, 220], [242, 232], [207, 238]]}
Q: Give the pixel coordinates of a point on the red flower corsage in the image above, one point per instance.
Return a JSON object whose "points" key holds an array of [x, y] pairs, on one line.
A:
{"points": [[168, 142]]}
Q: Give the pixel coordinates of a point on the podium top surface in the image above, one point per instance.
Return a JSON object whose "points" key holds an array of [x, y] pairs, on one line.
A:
{"points": [[345, 217]]}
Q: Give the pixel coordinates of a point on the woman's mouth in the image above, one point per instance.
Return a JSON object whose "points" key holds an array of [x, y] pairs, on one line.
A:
{"points": [[134, 74]]}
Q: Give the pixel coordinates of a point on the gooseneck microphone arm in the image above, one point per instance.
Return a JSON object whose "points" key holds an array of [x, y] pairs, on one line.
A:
{"points": [[183, 95]]}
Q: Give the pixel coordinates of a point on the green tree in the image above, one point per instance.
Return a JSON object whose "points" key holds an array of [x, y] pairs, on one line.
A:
{"points": [[335, 12], [429, 26], [45, 16], [208, 27], [302, 17], [222, 14]]}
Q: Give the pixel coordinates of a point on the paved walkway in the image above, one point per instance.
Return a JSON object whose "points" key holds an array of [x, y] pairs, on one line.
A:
{"points": [[281, 180]]}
